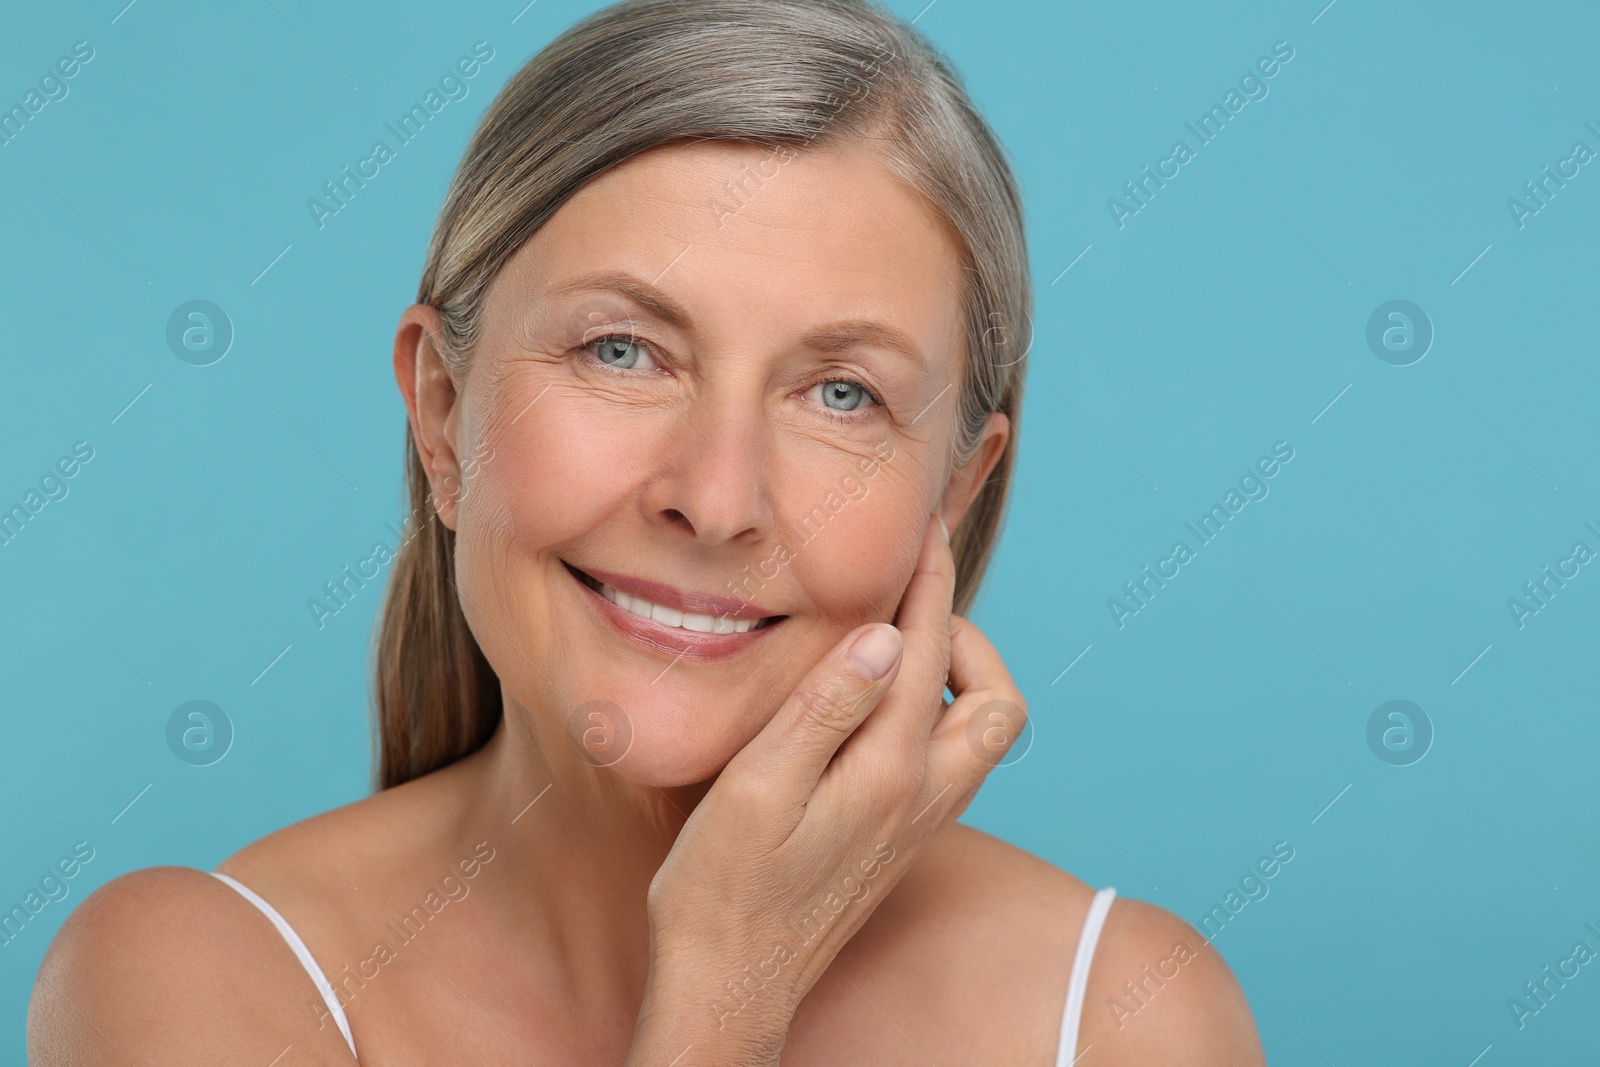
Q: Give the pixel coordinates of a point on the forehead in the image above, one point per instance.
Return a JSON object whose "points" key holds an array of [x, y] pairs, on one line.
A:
{"points": [[736, 233]]}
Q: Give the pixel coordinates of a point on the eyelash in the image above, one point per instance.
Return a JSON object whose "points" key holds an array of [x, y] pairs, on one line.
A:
{"points": [[839, 417]]}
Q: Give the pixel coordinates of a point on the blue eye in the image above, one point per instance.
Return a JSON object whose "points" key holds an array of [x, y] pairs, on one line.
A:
{"points": [[618, 351], [849, 395], [843, 399]]}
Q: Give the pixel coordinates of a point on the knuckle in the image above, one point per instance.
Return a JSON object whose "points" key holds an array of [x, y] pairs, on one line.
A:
{"points": [[658, 894], [962, 802], [1022, 708], [960, 627], [890, 781], [827, 708], [913, 783], [744, 791], [664, 902], [902, 781], [887, 795]]}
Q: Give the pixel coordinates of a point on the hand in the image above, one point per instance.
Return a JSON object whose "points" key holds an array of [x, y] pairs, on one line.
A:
{"points": [[813, 822]]}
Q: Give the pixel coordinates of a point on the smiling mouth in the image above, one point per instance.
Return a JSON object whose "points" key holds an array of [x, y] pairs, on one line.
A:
{"points": [[669, 617]]}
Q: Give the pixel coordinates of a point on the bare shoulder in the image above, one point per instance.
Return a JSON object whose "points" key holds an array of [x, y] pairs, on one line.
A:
{"points": [[976, 931], [322, 870], [170, 965], [985, 930], [1159, 992]]}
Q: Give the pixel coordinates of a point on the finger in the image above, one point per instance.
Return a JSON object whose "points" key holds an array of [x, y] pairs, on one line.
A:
{"points": [[988, 713], [791, 752], [903, 724], [975, 664], [924, 618]]}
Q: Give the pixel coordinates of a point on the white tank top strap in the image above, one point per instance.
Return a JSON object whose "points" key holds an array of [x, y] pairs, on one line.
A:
{"points": [[301, 953], [1078, 986]]}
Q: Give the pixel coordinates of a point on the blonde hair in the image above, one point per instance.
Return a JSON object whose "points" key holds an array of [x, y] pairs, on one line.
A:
{"points": [[646, 73]]}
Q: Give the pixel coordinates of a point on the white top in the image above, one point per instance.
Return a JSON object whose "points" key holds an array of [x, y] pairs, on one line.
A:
{"points": [[1077, 986], [302, 954], [1067, 1054]]}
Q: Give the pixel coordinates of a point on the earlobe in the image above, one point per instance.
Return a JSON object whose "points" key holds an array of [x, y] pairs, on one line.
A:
{"points": [[430, 397]]}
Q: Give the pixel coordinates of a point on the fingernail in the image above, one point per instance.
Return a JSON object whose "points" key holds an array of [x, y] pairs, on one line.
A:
{"points": [[875, 651], [943, 527]]}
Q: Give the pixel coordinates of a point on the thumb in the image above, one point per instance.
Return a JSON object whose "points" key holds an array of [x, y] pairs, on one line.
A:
{"points": [[835, 697]]}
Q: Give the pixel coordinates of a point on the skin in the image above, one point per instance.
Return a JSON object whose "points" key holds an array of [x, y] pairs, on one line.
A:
{"points": [[601, 928]]}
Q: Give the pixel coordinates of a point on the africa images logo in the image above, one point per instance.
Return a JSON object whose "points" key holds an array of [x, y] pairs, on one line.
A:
{"points": [[1252, 87], [452, 86], [1252, 486]]}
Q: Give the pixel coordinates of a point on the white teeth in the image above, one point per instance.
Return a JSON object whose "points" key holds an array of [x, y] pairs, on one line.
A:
{"points": [[666, 616]]}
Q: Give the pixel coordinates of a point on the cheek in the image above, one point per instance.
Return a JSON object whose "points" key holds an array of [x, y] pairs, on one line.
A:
{"points": [[852, 540], [547, 484], [558, 471]]}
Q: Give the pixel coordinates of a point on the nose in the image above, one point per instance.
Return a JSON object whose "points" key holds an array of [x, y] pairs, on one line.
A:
{"points": [[712, 483]]}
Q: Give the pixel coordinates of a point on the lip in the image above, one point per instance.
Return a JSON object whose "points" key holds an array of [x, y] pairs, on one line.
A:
{"points": [[674, 641], [668, 597]]}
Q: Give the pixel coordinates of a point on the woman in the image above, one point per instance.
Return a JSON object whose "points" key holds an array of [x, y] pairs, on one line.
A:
{"points": [[714, 373]]}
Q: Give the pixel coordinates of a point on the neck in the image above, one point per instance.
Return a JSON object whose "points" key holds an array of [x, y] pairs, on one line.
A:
{"points": [[576, 847]]}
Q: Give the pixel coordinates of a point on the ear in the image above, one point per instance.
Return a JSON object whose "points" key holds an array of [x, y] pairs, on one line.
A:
{"points": [[431, 405], [966, 481]]}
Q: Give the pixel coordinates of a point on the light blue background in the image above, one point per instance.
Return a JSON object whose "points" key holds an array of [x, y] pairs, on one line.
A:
{"points": [[1225, 316]]}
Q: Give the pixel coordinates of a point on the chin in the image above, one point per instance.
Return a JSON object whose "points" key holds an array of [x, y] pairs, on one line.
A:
{"points": [[671, 765], [670, 770], [666, 740]]}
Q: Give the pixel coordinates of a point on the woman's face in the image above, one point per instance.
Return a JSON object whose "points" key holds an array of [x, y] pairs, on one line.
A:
{"points": [[723, 378]]}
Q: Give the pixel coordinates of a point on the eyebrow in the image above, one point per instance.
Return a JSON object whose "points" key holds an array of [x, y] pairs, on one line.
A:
{"points": [[830, 337], [839, 336], [639, 291]]}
